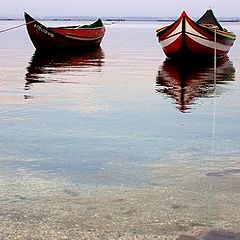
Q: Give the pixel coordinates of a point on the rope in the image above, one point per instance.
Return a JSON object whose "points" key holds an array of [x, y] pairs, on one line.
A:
{"points": [[23, 24], [215, 57], [17, 26], [210, 193]]}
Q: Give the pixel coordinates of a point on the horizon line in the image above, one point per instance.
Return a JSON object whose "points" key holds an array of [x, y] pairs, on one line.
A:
{"points": [[110, 18]]}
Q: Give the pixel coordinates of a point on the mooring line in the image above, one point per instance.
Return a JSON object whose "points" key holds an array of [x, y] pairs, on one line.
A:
{"points": [[210, 189], [23, 24], [17, 26], [214, 89]]}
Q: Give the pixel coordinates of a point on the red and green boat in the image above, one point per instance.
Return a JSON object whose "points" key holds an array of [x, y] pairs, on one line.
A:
{"points": [[203, 37], [66, 37]]}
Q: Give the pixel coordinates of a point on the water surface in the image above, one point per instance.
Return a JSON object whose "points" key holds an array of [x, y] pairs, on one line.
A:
{"points": [[119, 122]]}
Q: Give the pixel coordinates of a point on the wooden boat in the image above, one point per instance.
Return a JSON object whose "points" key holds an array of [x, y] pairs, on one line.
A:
{"points": [[185, 37], [70, 37], [185, 81]]}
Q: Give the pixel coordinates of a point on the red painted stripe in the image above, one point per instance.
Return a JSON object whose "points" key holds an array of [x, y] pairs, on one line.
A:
{"points": [[173, 35], [208, 36], [173, 47], [169, 30], [80, 32], [226, 43], [198, 29]]}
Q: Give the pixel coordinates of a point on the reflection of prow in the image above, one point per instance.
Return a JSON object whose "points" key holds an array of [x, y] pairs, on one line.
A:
{"points": [[185, 81]]}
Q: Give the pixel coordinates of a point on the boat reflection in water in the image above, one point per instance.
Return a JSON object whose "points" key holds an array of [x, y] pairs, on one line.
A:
{"points": [[46, 67], [187, 80]]}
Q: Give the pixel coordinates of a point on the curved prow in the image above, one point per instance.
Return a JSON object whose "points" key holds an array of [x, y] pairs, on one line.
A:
{"points": [[184, 14], [28, 18], [26, 15]]}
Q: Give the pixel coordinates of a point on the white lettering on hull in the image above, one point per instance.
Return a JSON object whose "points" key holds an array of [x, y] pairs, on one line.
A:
{"points": [[43, 30]]}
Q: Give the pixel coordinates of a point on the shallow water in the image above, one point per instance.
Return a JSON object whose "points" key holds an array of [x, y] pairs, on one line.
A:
{"points": [[116, 118]]}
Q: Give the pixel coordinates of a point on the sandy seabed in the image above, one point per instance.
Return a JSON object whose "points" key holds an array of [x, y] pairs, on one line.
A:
{"points": [[179, 201]]}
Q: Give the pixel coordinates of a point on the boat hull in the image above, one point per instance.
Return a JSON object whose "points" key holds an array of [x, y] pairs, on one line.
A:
{"points": [[45, 38], [187, 38]]}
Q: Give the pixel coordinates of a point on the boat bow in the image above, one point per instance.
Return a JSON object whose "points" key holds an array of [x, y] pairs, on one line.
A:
{"points": [[186, 37]]}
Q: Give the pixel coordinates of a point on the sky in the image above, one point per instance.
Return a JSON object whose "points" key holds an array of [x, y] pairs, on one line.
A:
{"points": [[119, 8]]}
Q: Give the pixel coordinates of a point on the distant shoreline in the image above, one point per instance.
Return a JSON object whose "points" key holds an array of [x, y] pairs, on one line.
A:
{"points": [[118, 19]]}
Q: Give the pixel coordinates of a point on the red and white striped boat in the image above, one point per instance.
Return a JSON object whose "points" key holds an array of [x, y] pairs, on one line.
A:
{"points": [[185, 37]]}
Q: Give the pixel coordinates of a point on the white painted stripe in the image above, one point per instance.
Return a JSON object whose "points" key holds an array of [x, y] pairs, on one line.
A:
{"points": [[191, 30], [177, 30], [170, 40], [208, 43], [201, 39]]}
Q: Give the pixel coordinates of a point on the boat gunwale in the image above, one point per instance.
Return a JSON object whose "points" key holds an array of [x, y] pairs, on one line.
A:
{"points": [[223, 33]]}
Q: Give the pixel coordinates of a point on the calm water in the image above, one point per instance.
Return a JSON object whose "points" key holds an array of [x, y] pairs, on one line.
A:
{"points": [[121, 116]]}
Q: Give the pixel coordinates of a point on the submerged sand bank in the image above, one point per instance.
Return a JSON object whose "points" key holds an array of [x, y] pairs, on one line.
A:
{"points": [[177, 202]]}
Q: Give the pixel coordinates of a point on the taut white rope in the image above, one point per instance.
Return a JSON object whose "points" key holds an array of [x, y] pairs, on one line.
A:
{"points": [[17, 26]]}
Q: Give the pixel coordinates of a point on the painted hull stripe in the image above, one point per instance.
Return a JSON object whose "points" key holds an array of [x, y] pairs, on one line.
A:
{"points": [[209, 44], [83, 38], [192, 31], [169, 40]]}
